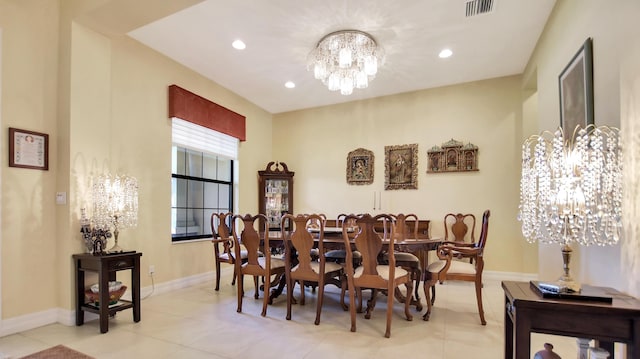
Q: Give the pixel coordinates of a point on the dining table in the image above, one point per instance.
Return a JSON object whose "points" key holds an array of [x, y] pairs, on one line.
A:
{"points": [[420, 247]]}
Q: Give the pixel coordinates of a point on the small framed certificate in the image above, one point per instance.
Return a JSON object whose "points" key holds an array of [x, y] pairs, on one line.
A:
{"points": [[28, 149]]}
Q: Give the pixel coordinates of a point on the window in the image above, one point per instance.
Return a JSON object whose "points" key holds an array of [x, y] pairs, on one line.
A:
{"points": [[201, 179]]}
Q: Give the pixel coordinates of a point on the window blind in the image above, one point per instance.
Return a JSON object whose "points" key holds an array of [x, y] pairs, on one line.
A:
{"points": [[196, 137]]}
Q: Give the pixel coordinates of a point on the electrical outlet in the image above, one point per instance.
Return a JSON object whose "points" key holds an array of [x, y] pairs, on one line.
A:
{"points": [[152, 269]]}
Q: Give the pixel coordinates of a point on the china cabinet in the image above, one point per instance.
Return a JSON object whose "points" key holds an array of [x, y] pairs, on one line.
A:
{"points": [[275, 191]]}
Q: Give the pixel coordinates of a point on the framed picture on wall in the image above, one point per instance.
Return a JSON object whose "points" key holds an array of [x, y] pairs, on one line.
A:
{"points": [[360, 167], [576, 90], [401, 167], [28, 149]]}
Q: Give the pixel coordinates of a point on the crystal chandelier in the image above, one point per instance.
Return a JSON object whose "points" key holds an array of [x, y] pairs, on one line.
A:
{"points": [[571, 191], [115, 203], [345, 60]]}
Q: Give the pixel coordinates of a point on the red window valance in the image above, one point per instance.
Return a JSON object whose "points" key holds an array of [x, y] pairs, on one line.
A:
{"points": [[196, 109]]}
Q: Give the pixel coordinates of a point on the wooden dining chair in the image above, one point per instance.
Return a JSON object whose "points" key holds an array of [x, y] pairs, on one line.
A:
{"points": [[401, 229], [463, 270], [456, 229], [370, 274], [339, 255], [299, 263], [223, 251], [436, 272], [252, 232]]}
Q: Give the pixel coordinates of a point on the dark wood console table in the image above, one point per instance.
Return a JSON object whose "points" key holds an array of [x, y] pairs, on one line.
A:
{"points": [[106, 266], [526, 312]]}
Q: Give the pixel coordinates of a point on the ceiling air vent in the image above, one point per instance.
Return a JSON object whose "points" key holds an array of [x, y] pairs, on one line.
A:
{"points": [[479, 7]]}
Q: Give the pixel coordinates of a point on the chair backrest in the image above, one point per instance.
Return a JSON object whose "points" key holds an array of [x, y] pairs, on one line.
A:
{"points": [[402, 228], [254, 236], [369, 243], [220, 230], [484, 232], [300, 239], [315, 220], [349, 221], [456, 227]]}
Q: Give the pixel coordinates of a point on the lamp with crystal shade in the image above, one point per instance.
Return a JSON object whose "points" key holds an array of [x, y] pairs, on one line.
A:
{"points": [[571, 191], [115, 204]]}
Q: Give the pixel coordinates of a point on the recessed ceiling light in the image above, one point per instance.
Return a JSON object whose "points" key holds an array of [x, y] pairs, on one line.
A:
{"points": [[445, 53], [289, 85], [239, 45]]}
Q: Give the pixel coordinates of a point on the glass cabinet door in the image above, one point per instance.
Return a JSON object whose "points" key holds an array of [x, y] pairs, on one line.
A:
{"points": [[276, 192], [276, 200]]}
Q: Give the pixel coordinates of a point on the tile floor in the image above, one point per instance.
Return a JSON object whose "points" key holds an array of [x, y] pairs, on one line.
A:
{"points": [[198, 322]]}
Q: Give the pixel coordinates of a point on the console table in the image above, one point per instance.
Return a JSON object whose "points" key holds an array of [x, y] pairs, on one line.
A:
{"points": [[106, 266], [526, 312]]}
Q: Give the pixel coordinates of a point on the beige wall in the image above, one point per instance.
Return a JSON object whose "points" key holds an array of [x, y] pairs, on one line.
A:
{"points": [[315, 143], [29, 82], [106, 111], [613, 27]]}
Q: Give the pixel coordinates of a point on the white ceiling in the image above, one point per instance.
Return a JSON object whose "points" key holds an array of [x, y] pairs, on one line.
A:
{"points": [[280, 33]]}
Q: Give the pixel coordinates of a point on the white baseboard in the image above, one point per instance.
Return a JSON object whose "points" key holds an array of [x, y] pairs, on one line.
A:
{"points": [[68, 317]]}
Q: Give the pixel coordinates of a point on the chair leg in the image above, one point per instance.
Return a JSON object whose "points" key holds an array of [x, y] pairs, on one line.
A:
{"points": [[428, 299], [352, 306], [218, 275], [371, 304], [302, 297], [407, 302], [479, 299], [290, 285], [417, 275], [390, 299], [256, 295], [233, 280], [433, 294], [343, 291], [240, 292], [319, 303], [267, 291]]}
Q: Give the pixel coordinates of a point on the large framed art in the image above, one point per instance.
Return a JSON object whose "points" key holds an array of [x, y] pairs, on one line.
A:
{"points": [[401, 167], [576, 90]]}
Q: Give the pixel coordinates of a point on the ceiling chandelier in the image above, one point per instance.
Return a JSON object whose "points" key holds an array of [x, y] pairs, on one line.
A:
{"points": [[345, 60]]}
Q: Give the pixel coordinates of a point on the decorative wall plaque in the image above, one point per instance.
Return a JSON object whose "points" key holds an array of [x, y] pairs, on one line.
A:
{"points": [[453, 156], [360, 167], [401, 167]]}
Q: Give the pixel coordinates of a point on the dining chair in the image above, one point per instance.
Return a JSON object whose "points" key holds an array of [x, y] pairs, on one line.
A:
{"points": [[371, 274], [339, 255], [456, 229], [463, 270], [313, 225], [434, 273], [252, 232], [400, 228], [300, 265], [223, 245]]}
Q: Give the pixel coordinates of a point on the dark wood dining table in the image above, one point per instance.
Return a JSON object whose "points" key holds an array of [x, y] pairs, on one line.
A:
{"points": [[420, 247]]}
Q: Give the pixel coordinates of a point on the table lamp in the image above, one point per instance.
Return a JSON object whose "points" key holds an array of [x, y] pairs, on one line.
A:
{"points": [[115, 203], [571, 191]]}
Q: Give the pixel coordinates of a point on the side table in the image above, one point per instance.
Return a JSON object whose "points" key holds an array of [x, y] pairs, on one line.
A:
{"points": [[106, 266], [527, 312]]}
